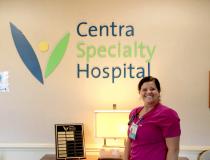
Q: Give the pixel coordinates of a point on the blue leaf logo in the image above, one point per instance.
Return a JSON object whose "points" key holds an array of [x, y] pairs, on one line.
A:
{"points": [[26, 53]]}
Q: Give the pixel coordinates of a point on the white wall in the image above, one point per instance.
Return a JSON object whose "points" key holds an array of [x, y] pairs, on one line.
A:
{"points": [[178, 29]]}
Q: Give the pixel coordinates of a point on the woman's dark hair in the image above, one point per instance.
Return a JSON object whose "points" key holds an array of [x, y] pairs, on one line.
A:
{"points": [[148, 79]]}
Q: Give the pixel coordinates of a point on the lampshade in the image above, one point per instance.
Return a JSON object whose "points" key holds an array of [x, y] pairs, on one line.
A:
{"points": [[111, 123]]}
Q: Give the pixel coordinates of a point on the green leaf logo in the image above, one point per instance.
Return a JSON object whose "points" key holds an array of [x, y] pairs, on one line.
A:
{"points": [[57, 55]]}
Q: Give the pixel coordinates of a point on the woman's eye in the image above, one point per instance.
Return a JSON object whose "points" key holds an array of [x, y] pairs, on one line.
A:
{"points": [[144, 90]]}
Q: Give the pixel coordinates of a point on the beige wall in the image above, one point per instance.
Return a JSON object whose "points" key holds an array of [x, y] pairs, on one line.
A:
{"points": [[178, 29]]}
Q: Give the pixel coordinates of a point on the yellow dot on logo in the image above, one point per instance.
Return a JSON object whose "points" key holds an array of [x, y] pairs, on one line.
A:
{"points": [[43, 46]]}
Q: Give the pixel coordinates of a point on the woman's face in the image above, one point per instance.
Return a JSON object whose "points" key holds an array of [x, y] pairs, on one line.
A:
{"points": [[149, 93]]}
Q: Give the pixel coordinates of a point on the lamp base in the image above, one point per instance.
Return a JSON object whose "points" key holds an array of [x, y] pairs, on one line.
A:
{"points": [[111, 153], [114, 143]]}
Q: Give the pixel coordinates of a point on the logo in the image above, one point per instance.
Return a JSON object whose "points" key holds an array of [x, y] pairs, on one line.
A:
{"points": [[29, 58]]}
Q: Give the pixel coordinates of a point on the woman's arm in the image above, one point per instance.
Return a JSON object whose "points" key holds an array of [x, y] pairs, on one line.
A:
{"points": [[173, 148], [127, 149]]}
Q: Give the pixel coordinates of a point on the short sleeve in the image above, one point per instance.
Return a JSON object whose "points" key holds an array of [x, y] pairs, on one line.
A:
{"points": [[170, 123]]}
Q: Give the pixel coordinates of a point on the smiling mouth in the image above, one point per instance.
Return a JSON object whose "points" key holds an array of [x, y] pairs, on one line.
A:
{"points": [[149, 97]]}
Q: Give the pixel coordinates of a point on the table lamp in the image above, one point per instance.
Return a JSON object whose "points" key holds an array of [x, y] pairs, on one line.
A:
{"points": [[111, 125]]}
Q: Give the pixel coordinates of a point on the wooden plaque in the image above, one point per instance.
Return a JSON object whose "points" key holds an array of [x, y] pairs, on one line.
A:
{"points": [[69, 140]]}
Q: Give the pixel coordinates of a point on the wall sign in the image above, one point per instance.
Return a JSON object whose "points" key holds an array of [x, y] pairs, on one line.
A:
{"points": [[88, 52]]}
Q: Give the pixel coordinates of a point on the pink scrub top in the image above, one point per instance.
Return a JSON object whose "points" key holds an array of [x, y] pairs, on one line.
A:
{"points": [[156, 125]]}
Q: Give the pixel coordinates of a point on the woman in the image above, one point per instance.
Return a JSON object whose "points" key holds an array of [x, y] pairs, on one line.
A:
{"points": [[154, 129]]}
